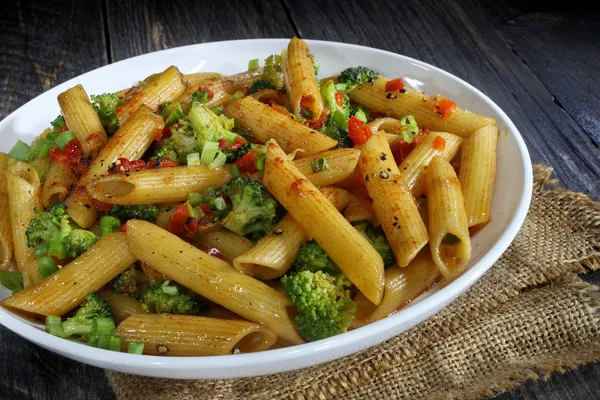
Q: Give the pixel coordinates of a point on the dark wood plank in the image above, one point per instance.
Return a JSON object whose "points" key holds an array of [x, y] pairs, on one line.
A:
{"points": [[151, 25], [44, 44], [457, 37]]}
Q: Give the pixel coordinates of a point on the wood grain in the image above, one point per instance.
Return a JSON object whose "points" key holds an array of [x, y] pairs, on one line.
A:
{"points": [[457, 37], [156, 25], [46, 43]]}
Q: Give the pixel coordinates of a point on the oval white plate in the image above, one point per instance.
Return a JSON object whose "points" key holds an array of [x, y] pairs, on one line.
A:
{"points": [[512, 195]]}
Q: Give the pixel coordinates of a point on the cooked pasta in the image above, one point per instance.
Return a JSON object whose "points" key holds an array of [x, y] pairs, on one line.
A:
{"points": [[209, 214]]}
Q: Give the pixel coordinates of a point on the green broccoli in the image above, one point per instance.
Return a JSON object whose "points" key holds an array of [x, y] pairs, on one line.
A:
{"points": [[46, 225], [233, 155], [58, 123], [93, 307], [106, 106], [181, 143], [12, 280], [215, 200], [146, 212], [354, 76], [207, 126], [328, 93], [253, 208], [273, 69], [171, 298], [126, 283], [171, 112], [323, 303], [316, 66], [78, 241], [311, 257], [333, 129], [260, 85], [377, 239], [201, 96], [109, 224]]}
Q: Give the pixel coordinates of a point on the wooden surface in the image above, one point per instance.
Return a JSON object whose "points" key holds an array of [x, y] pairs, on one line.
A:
{"points": [[541, 68]]}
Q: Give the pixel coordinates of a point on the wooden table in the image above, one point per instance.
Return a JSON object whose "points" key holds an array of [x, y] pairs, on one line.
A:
{"points": [[541, 68]]}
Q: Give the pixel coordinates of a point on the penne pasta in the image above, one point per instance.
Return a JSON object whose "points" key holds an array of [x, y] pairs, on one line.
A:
{"points": [[266, 123], [211, 277], [300, 81], [245, 79], [59, 181], [122, 306], [81, 207], [402, 285], [414, 166], [320, 219], [166, 86], [162, 185], [393, 202], [23, 185], [450, 244], [275, 253], [6, 241], [423, 107], [360, 208], [341, 163], [66, 288], [477, 174], [229, 244], [82, 120], [186, 335], [131, 141]]}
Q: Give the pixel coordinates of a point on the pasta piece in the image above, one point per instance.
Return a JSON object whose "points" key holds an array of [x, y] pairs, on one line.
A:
{"points": [[402, 285], [161, 185], [266, 123], [211, 277], [81, 207], [423, 107], [42, 166], [450, 243], [199, 78], [320, 219], [275, 253], [166, 86], [23, 185], [414, 165], [122, 306], [245, 79], [477, 174], [229, 244], [393, 203], [6, 243], [221, 88], [82, 120], [59, 181], [341, 164], [187, 335], [131, 142], [300, 81], [66, 288], [360, 208]]}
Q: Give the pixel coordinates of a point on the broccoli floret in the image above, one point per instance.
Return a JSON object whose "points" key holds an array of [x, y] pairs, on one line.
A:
{"points": [[214, 199], [354, 76], [181, 143], [92, 308], [316, 66], [273, 69], [207, 126], [171, 298], [46, 224], [328, 93], [58, 123], [233, 155], [109, 224], [146, 212], [377, 238], [126, 283], [333, 129], [253, 208], [260, 85], [78, 241], [171, 112], [311, 257], [106, 106], [323, 303]]}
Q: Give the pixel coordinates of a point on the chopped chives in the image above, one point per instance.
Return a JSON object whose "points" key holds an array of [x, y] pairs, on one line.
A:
{"points": [[193, 159], [21, 151], [194, 198], [319, 164], [135, 348], [253, 64], [104, 342], [63, 139]]}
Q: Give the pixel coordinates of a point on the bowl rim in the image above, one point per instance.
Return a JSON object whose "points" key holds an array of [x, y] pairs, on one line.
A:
{"points": [[157, 366]]}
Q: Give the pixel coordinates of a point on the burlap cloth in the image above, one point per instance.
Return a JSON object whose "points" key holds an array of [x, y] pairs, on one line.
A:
{"points": [[528, 316]]}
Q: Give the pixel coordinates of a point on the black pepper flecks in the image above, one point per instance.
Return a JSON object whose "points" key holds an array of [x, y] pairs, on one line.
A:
{"points": [[383, 156], [403, 90], [384, 175], [389, 95], [367, 178], [389, 170]]}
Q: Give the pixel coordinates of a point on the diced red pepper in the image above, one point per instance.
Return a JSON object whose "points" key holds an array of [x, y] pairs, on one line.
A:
{"points": [[223, 144], [191, 225], [339, 99], [82, 166], [394, 85], [123, 227], [214, 252], [401, 150], [307, 102], [161, 163], [237, 143], [247, 163], [358, 132], [178, 219], [133, 165], [225, 197], [206, 209], [446, 107], [439, 143], [268, 101], [209, 93], [317, 123], [70, 155]]}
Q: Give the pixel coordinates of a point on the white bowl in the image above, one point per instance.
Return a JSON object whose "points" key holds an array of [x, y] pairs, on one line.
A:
{"points": [[512, 195]]}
